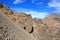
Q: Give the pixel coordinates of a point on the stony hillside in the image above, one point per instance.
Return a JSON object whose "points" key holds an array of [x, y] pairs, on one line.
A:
{"points": [[22, 19], [52, 20], [44, 32], [41, 29], [10, 31]]}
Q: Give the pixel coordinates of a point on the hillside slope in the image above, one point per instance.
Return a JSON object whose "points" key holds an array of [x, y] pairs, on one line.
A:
{"points": [[10, 31], [52, 20], [22, 19]]}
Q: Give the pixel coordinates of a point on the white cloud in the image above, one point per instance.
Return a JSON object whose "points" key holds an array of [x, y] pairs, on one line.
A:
{"points": [[38, 14], [55, 4], [37, 2], [18, 1]]}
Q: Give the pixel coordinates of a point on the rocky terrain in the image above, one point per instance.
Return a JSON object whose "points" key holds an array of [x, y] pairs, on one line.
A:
{"points": [[52, 20], [10, 31], [21, 26]]}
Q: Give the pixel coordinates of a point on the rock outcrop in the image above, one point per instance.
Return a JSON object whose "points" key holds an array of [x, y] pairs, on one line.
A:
{"points": [[10, 31], [22, 19]]}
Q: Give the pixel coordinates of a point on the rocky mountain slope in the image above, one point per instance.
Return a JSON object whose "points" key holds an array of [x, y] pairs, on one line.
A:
{"points": [[22, 19], [10, 31], [52, 20], [45, 32], [41, 29]]}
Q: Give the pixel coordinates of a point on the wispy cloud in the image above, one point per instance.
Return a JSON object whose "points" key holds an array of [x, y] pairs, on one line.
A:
{"points": [[55, 4], [18, 1], [20, 9], [37, 2], [33, 1]]}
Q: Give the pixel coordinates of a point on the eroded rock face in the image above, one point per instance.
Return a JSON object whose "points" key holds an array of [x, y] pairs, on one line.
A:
{"points": [[22, 19], [26, 20], [10, 31]]}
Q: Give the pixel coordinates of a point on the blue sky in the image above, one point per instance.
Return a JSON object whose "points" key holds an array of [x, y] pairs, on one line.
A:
{"points": [[37, 8]]}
